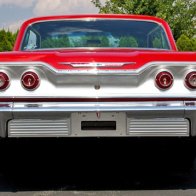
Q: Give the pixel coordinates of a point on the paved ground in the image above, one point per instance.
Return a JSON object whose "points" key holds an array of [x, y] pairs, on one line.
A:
{"points": [[93, 168]]}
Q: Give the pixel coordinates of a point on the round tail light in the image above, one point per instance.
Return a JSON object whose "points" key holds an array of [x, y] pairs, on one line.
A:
{"points": [[164, 80], [30, 80], [4, 81], [190, 80]]}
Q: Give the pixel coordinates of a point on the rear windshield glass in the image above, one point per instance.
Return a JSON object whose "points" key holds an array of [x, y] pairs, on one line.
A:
{"points": [[95, 33]]}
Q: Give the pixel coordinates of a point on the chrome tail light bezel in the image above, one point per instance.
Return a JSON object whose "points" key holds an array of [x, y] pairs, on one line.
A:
{"points": [[187, 81], [6, 78], [159, 84], [33, 76]]}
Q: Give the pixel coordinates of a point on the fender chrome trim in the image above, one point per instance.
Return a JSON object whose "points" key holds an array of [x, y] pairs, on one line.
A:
{"points": [[97, 106]]}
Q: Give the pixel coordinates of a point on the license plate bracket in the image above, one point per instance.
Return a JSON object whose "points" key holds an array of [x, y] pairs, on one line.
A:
{"points": [[100, 124]]}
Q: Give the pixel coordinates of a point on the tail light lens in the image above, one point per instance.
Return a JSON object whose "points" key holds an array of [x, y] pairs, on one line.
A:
{"points": [[164, 80], [4, 81], [30, 80], [190, 80]]}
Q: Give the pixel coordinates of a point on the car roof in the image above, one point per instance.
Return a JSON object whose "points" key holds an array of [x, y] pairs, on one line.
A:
{"points": [[98, 16]]}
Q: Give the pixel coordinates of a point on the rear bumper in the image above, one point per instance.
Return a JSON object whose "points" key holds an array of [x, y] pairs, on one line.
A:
{"points": [[54, 119]]}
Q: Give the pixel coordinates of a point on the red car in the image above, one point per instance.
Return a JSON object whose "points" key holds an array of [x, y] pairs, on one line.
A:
{"points": [[97, 76]]}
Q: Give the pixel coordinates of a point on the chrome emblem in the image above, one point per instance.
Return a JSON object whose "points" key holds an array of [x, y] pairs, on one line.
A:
{"points": [[98, 115], [94, 64]]}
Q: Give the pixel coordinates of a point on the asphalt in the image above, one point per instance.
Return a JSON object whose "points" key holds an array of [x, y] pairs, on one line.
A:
{"points": [[94, 167]]}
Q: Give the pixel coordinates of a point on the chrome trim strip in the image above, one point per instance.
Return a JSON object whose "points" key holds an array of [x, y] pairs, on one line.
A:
{"points": [[6, 106], [98, 106], [88, 17], [95, 71], [89, 49], [98, 64]]}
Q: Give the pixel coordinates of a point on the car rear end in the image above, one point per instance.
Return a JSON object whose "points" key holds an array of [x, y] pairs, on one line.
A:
{"points": [[97, 76]]}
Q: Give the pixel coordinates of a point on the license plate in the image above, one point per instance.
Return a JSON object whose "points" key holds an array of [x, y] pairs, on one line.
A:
{"points": [[98, 125]]}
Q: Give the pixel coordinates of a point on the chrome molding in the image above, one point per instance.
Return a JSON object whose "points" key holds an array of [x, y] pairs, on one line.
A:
{"points": [[98, 64], [158, 127], [97, 106]]}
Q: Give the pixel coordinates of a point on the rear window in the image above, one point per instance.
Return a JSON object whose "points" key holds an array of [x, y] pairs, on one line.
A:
{"points": [[96, 33]]}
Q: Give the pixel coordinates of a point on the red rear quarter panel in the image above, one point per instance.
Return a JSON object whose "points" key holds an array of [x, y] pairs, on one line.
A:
{"points": [[136, 58]]}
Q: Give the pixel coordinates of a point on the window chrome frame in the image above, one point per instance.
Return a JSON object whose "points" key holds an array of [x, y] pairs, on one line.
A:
{"points": [[95, 19]]}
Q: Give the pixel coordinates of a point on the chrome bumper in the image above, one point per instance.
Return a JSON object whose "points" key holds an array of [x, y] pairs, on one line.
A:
{"points": [[48, 119]]}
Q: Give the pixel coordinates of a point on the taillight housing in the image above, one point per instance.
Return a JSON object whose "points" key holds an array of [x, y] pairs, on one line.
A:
{"points": [[30, 80], [164, 80], [4, 81], [190, 80]]}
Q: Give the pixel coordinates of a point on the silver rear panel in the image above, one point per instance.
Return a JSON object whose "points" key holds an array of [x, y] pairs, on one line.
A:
{"points": [[158, 127], [139, 83], [125, 127], [38, 128]]}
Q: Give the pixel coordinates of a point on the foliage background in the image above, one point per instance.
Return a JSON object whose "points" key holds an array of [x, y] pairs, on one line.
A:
{"points": [[180, 14], [7, 40]]}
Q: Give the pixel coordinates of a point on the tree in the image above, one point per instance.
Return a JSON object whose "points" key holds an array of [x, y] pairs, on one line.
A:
{"points": [[104, 41], [6, 41], [56, 43], [128, 42], [186, 44], [180, 14]]}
